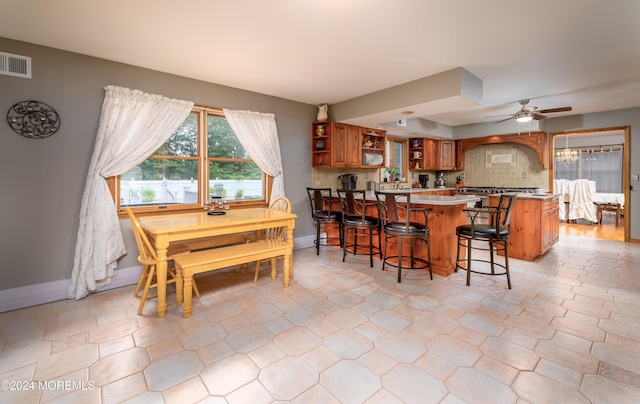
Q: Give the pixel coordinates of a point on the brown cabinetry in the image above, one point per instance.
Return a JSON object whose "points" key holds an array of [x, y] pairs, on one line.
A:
{"points": [[354, 146], [422, 154], [446, 154], [550, 223], [430, 154], [339, 145], [535, 226]]}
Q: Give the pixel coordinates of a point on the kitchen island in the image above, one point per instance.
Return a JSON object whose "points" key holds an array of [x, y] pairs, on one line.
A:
{"points": [[446, 214], [535, 225]]}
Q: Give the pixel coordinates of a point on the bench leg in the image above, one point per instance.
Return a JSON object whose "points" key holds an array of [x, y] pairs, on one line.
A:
{"points": [[179, 285], [187, 291]]}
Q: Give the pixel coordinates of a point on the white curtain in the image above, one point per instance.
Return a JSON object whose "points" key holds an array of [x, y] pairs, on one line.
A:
{"points": [[258, 135], [132, 126], [602, 165]]}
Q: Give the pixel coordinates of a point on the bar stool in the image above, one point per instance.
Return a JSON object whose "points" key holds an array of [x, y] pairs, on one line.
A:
{"points": [[323, 214], [395, 211], [354, 217], [496, 233]]}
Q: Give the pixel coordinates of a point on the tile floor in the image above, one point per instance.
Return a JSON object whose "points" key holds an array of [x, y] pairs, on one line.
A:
{"points": [[568, 332]]}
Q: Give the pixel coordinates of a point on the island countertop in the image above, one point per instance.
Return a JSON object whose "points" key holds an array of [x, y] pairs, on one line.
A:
{"points": [[423, 199]]}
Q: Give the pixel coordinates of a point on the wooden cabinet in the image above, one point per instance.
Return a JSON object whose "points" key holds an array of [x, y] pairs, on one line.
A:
{"points": [[446, 154], [354, 146], [422, 154], [328, 145], [372, 148], [430, 154], [550, 224], [535, 226], [339, 145], [338, 139]]}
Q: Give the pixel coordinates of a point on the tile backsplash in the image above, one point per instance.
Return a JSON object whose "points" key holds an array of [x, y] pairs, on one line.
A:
{"points": [[505, 169], [480, 170]]}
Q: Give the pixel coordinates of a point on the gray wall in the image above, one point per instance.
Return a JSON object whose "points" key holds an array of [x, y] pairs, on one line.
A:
{"points": [[38, 223]]}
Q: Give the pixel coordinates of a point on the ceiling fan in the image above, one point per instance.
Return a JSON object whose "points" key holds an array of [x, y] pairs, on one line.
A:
{"points": [[529, 112]]}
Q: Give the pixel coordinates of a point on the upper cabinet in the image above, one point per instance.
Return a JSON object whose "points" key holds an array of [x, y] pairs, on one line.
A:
{"points": [[422, 155], [372, 147], [339, 145], [446, 154], [430, 154]]}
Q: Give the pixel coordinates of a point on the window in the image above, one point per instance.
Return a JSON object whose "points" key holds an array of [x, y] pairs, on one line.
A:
{"points": [[203, 158], [600, 164], [396, 155]]}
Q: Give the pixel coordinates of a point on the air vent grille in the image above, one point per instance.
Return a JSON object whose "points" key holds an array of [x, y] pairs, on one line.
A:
{"points": [[15, 65]]}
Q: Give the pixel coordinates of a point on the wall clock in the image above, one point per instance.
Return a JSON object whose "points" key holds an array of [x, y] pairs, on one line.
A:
{"points": [[33, 119]]}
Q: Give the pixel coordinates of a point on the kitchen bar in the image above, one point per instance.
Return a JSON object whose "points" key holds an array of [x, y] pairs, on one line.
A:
{"points": [[446, 214]]}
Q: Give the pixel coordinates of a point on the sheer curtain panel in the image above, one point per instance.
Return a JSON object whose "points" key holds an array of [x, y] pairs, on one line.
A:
{"points": [[258, 135], [132, 126]]}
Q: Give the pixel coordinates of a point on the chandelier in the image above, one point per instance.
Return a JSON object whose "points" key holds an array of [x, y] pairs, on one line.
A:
{"points": [[566, 155]]}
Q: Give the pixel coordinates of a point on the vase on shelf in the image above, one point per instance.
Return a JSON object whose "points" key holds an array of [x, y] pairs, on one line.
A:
{"points": [[323, 114], [320, 130]]}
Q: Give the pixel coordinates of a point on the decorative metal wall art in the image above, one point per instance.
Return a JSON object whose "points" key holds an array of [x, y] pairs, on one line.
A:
{"points": [[33, 119]]}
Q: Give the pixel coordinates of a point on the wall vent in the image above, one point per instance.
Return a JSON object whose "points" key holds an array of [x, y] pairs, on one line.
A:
{"points": [[15, 65]]}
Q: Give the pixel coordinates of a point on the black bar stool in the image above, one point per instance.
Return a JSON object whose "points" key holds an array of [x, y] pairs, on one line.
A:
{"points": [[354, 217], [395, 211], [323, 214], [496, 233]]}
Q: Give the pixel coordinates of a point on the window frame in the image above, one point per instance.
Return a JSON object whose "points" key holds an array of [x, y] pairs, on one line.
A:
{"points": [[202, 112]]}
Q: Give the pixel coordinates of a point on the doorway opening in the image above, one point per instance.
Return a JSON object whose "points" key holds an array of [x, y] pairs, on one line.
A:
{"points": [[573, 156]]}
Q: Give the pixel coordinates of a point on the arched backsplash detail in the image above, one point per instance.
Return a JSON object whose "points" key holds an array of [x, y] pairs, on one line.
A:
{"points": [[536, 140]]}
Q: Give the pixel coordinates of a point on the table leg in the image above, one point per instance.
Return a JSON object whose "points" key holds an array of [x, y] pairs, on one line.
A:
{"points": [[161, 274]]}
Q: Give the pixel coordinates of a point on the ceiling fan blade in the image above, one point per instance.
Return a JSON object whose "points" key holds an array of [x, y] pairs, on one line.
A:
{"points": [[548, 111], [511, 117], [538, 117]]}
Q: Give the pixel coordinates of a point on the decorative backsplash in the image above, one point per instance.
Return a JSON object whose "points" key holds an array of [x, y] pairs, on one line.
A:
{"points": [[503, 165]]}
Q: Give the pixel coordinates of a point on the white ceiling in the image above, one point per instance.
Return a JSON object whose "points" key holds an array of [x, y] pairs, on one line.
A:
{"points": [[579, 53]]}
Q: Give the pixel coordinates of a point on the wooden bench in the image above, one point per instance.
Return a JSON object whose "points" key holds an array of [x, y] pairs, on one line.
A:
{"points": [[197, 262]]}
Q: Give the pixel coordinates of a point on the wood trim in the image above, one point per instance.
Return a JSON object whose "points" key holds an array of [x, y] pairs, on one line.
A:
{"points": [[626, 170], [536, 140]]}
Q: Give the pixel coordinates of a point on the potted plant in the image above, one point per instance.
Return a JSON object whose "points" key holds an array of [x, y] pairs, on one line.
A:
{"points": [[392, 172]]}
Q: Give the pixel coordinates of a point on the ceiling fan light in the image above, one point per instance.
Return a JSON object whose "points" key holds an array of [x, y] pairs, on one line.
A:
{"points": [[523, 116]]}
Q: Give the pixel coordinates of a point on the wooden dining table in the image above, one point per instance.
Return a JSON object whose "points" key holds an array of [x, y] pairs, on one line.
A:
{"points": [[171, 228]]}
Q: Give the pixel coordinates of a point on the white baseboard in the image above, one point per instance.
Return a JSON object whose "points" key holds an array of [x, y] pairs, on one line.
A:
{"points": [[47, 292], [303, 242]]}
